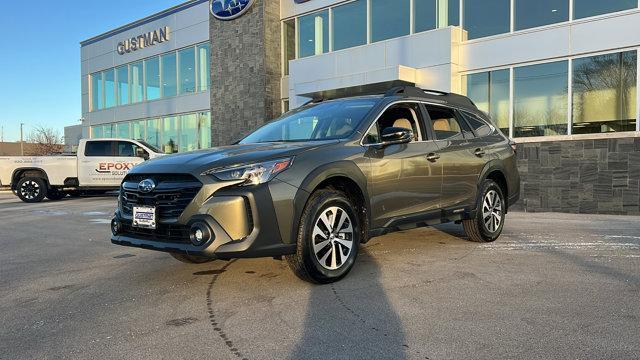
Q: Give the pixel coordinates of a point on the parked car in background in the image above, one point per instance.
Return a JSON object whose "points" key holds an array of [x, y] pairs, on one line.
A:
{"points": [[99, 166], [322, 179]]}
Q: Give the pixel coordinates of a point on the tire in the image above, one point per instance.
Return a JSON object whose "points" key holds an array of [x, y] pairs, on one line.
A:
{"points": [[191, 259], [332, 261], [55, 194], [492, 206], [31, 189]]}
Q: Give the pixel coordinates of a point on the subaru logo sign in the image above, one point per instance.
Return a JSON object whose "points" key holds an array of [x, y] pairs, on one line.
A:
{"points": [[229, 9], [146, 186]]}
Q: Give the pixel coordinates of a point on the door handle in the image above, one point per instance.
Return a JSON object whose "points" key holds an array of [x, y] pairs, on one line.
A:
{"points": [[433, 157], [480, 152]]}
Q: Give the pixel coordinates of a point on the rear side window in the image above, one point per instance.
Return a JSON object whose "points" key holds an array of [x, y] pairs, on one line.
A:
{"points": [[99, 148], [446, 125], [479, 126]]}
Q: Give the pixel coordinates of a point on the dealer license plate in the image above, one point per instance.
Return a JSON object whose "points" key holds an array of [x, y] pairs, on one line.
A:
{"points": [[144, 217]]}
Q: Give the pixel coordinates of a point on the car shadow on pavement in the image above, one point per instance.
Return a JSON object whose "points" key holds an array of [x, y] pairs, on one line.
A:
{"points": [[352, 319]]}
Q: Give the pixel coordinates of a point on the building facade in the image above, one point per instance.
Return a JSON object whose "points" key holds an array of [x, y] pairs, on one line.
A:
{"points": [[558, 76]]}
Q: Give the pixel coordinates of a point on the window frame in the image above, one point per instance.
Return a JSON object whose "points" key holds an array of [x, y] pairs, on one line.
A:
{"points": [[425, 133], [462, 123]]}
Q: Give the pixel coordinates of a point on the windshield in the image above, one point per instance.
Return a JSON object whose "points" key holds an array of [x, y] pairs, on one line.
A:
{"points": [[324, 121], [149, 146]]}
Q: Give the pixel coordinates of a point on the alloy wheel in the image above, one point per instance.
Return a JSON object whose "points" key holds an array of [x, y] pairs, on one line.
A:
{"points": [[332, 238], [492, 211], [30, 189]]}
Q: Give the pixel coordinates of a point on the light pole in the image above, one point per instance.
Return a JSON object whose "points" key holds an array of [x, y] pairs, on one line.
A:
{"points": [[21, 142]]}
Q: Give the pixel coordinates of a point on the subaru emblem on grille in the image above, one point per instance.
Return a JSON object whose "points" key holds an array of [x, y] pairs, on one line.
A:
{"points": [[146, 185]]}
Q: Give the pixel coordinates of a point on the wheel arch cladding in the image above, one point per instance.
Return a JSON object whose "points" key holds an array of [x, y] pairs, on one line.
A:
{"points": [[495, 172], [28, 172], [344, 176]]}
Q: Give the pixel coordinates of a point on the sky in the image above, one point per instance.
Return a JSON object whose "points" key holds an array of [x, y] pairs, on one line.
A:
{"points": [[40, 56]]}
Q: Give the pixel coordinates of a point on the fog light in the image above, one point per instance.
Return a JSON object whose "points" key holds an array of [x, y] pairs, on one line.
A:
{"points": [[200, 234], [115, 227]]}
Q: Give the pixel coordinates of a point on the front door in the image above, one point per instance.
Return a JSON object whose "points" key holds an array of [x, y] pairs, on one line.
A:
{"points": [[106, 162], [403, 181]]}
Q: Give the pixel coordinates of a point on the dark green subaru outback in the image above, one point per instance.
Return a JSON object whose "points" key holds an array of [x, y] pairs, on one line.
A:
{"points": [[324, 178]]}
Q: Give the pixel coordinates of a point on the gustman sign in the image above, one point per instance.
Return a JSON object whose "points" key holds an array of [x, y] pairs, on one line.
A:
{"points": [[145, 40], [230, 9]]}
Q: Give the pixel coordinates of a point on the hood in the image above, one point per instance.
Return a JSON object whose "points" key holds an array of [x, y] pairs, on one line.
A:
{"points": [[202, 160]]}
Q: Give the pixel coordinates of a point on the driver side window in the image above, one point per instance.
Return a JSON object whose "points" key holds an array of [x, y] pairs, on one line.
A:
{"points": [[403, 115]]}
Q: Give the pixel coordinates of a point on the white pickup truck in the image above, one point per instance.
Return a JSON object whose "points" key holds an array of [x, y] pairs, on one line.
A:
{"points": [[99, 166]]}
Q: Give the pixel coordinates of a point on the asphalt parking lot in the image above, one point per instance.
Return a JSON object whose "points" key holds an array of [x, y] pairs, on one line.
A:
{"points": [[553, 286]]}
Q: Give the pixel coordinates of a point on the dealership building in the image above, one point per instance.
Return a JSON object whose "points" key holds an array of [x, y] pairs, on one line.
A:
{"points": [[558, 76]]}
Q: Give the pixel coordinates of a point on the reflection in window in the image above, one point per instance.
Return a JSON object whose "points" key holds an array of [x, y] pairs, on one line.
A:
{"points": [[137, 82], [204, 129], [604, 93], [204, 72], [123, 130], [108, 130], [432, 14], [586, 8], [188, 132], [96, 132], [313, 34], [540, 99], [170, 135], [153, 132], [169, 75], [533, 13], [187, 71], [109, 89], [389, 19], [486, 17], [289, 31], [350, 25], [152, 78], [490, 92], [97, 92], [122, 74], [138, 130]]}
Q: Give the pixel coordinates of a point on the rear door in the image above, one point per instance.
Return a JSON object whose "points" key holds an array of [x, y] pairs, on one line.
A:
{"points": [[461, 166]]}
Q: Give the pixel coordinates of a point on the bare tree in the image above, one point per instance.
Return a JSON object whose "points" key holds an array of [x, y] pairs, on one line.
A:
{"points": [[44, 141]]}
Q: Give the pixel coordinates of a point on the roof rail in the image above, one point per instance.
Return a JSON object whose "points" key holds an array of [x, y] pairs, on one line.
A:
{"points": [[431, 94]]}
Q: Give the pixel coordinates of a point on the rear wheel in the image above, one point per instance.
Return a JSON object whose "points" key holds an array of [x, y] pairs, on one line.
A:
{"points": [[328, 238], [31, 189], [490, 214], [191, 259]]}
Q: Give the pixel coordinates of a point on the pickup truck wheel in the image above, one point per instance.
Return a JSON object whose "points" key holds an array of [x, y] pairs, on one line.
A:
{"points": [[191, 259], [31, 189], [55, 194], [490, 214], [328, 238]]}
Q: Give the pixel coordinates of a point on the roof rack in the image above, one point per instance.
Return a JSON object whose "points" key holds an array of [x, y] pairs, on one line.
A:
{"points": [[413, 91]]}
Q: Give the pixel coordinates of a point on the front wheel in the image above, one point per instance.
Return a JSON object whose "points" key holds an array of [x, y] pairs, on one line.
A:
{"points": [[31, 189], [490, 214], [328, 238]]}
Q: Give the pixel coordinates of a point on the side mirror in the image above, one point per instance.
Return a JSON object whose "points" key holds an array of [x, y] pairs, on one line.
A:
{"points": [[396, 135], [141, 153]]}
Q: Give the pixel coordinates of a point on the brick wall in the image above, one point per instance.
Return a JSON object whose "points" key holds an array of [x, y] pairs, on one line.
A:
{"points": [[583, 176], [245, 71]]}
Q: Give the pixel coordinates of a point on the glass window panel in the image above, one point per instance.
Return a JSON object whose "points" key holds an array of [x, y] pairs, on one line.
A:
{"points": [[586, 8], [126, 149], [532, 13], [431, 14], [204, 66], [604, 93], [389, 19], [499, 99], [540, 99], [350, 25], [109, 88], [122, 76], [137, 82], [486, 17], [170, 135], [478, 89], [189, 132], [97, 92], [313, 34], [138, 130], [204, 129], [96, 132], [99, 148], [108, 130], [452, 13], [169, 75], [289, 43], [187, 71], [152, 78], [123, 130], [154, 132]]}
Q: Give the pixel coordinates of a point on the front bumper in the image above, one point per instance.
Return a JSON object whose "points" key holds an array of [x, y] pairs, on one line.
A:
{"points": [[242, 221]]}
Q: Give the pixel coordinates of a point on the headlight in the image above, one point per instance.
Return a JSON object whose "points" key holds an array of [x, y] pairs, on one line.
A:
{"points": [[252, 174]]}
